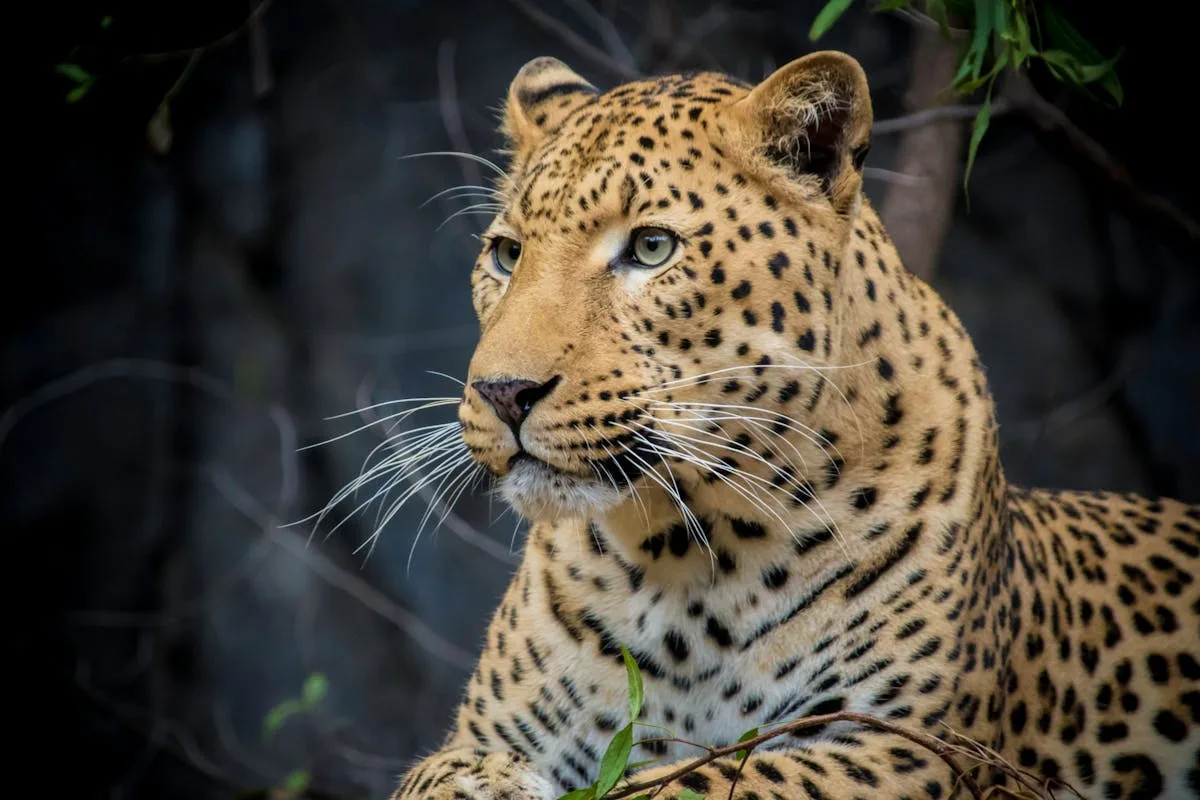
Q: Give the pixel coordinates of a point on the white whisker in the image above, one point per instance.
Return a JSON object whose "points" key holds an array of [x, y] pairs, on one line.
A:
{"points": [[469, 156]]}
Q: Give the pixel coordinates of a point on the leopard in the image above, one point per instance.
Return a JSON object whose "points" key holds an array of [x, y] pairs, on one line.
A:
{"points": [[760, 458]]}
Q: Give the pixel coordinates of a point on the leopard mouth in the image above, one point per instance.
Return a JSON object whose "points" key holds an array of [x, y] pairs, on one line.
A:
{"points": [[537, 489], [540, 491]]}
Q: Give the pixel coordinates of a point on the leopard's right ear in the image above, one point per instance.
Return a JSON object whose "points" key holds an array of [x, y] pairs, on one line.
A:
{"points": [[543, 93], [812, 119]]}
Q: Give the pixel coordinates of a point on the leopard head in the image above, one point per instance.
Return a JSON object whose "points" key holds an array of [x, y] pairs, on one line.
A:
{"points": [[660, 285]]}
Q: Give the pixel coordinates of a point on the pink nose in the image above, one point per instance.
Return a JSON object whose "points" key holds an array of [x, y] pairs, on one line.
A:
{"points": [[513, 398]]}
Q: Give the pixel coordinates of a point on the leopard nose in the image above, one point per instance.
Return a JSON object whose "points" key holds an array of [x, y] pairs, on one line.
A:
{"points": [[513, 398]]}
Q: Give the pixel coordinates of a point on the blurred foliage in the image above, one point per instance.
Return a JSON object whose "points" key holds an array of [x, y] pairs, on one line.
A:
{"points": [[315, 687], [1000, 35]]}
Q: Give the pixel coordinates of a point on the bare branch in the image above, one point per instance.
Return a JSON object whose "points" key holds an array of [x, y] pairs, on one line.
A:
{"points": [[188, 52], [337, 577], [607, 31], [928, 116], [451, 118], [264, 81], [1052, 119], [891, 176], [923, 20], [938, 747], [575, 41]]}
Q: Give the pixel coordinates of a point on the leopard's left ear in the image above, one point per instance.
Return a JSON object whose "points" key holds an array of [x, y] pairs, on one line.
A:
{"points": [[812, 117], [543, 93]]}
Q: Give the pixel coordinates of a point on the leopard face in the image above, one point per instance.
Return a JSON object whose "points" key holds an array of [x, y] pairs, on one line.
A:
{"points": [[664, 267]]}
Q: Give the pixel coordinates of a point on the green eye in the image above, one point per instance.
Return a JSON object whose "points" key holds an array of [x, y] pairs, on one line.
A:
{"points": [[651, 247], [506, 253]]}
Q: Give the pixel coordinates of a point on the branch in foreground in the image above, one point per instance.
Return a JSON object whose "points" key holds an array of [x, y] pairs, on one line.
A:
{"points": [[943, 750], [1038, 788]]}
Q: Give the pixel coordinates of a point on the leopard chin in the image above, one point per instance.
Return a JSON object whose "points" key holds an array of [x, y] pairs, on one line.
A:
{"points": [[539, 492]]}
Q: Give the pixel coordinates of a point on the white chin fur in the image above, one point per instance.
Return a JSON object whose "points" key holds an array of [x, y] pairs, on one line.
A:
{"points": [[538, 492]]}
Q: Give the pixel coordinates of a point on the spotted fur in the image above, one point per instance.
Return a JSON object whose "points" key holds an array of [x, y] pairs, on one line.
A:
{"points": [[769, 467]]}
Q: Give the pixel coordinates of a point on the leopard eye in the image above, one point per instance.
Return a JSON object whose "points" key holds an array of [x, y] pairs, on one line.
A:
{"points": [[651, 247], [505, 254]]}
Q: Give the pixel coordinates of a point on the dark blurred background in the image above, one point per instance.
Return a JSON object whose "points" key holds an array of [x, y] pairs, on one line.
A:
{"points": [[209, 288]]}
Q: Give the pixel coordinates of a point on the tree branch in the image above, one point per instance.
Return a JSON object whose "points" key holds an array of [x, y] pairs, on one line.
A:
{"points": [[172, 55], [943, 750], [575, 41], [1023, 98]]}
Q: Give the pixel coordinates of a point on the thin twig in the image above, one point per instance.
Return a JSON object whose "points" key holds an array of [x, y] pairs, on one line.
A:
{"points": [[575, 41], [928, 116], [941, 749], [607, 31], [451, 118], [339, 578], [923, 20], [259, 57], [694, 34], [172, 55], [892, 176]]}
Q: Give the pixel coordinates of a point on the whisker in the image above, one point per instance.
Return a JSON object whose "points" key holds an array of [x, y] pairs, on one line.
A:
{"points": [[395, 419], [478, 191], [705, 376], [486, 209], [719, 467], [447, 377], [689, 519], [688, 454], [628, 482], [469, 156], [790, 423]]}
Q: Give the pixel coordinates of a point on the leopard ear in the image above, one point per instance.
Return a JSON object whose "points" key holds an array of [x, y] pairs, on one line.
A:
{"points": [[540, 97], [812, 117]]}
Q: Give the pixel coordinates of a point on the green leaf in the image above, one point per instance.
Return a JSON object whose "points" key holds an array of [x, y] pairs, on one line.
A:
{"points": [[77, 93], [1021, 41], [892, 5], [826, 17], [983, 35], [297, 781], [278, 715], [612, 765], [640, 764], [937, 10], [972, 85], [106, 22], [1065, 37], [978, 129], [750, 734], [637, 693], [586, 793], [316, 686], [688, 794], [74, 72], [1079, 72]]}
